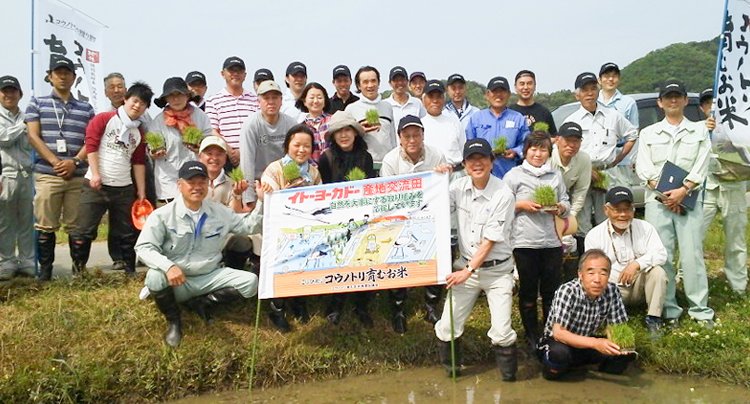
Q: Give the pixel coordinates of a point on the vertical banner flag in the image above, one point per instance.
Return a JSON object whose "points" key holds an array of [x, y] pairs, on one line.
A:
{"points": [[61, 30], [379, 233]]}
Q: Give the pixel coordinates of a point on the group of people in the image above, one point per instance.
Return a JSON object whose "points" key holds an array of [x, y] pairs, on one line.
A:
{"points": [[205, 230]]}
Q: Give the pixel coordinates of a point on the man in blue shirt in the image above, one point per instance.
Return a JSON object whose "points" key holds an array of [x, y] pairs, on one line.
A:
{"points": [[498, 121]]}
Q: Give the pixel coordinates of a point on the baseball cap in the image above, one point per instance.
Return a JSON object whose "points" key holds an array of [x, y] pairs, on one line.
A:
{"points": [[58, 61], [267, 86], [477, 145], [609, 66], [434, 85], [417, 74], [296, 67], [705, 94], [585, 78], [9, 81], [233, 61], [570, 129], [341, 70], [498, 82], [525, 73], [192, 77], [209, 141], [192, 168], [262, 75], [409, 120], [397, 71], [455, 77], [672, 86], [619, 194]]}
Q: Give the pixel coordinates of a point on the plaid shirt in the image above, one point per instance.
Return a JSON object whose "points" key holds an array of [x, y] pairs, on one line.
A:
{"points": [[319, 127], [577, 313]]}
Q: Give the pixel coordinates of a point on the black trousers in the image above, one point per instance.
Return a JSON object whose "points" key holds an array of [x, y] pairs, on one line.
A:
{"points": [[539, 275], [557, 358], [118, 202]]}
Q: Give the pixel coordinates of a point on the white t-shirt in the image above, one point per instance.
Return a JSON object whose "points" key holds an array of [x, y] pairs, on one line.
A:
{"points": [[444, 133]]}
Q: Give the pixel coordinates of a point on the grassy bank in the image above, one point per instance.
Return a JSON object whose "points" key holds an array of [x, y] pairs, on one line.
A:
{"points": [[93, 341]]}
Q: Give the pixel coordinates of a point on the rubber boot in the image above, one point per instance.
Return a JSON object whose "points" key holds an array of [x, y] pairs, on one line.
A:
{"points": [[235, 259], [276, 315], [167, 304], [398, 298], [205, 305], [299, 309], [529, 320], [445, 356], [333, 311], [432, 295], [507, 361], [362, 308], [45, 247], [127, 250], [80, 249]]}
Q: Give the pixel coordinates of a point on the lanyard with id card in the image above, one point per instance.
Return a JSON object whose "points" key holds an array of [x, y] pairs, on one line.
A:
{"points": [[62, 146]]}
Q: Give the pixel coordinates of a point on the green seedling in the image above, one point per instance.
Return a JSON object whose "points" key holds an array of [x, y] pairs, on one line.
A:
{"points": [[501, 145], [192, 135], [291, 171], [236, 175], [545, 195], [355, 174], [155, 141], [603, 182], [540, 126], [372, 117], [622, 335]]}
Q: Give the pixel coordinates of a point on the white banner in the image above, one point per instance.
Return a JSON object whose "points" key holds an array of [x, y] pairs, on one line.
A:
{"points": [[64, 31]]}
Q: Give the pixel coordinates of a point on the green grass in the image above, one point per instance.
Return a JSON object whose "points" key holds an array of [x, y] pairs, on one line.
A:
{"points": [[92, 340]]}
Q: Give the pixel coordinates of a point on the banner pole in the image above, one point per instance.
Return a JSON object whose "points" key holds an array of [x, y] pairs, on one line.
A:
{"points": [[33, 151], [717, 69], [453, 339], [255, 343]]}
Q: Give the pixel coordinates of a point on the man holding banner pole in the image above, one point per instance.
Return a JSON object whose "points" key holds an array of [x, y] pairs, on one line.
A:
{"points": [[485, 208]]}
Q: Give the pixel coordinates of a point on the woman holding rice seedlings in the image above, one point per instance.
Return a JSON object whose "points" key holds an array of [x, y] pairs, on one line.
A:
{"points": [[315, 102], [292, 171], [347, 159], [540, 195], [182, 127]]}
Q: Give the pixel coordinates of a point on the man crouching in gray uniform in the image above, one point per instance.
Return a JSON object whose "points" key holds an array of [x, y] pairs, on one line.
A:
{"points": [[181, 244]]}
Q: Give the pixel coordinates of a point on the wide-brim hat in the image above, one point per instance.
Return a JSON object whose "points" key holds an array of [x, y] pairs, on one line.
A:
{"points": [[566, 226], [340, 120], [173, 85]]}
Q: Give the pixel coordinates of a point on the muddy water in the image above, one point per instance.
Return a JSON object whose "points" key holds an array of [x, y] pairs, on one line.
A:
{"points": [[429, 385]]}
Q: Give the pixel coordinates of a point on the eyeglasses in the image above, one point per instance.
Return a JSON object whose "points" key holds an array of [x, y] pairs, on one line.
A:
{"points": [[621, 211]]}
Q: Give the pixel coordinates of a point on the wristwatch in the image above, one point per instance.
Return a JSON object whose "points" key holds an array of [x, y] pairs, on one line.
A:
{"points": [[472, 270], [77, 161]]}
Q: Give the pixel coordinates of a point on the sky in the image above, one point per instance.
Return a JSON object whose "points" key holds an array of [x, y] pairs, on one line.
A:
{"points": [[157, 39]]}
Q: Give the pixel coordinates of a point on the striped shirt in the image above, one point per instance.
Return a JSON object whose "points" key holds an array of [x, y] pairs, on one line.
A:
{"points": [[227, 113], [60, 121]]}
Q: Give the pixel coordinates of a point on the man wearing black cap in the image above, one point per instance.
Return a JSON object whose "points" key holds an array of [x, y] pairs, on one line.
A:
{"points": [[610, 96], [401, 101], [532, 110], [342, 80], [485, 208], [637, 255], [603, 128], [229, 108], [412, 156], [16, 209], [442, 130], [56, 125], [729, 199], [181, 245], [196, 82], [260, 76], [498, 121], [687, 145], [458, 104], [417, 81], [296, 80]]}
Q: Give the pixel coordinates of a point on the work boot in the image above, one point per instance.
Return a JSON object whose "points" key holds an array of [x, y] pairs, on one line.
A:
{"points": [[445, 356], [45, 246], [276, 315], [119, 266], [432, 297], [167, 304], [7, 274], [205, 305], [80, 250], [299, 309], [507, 361], [362, 308]]}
